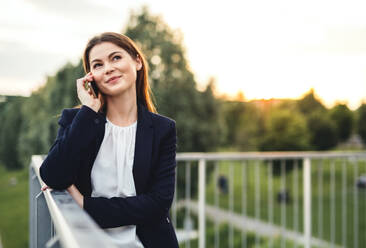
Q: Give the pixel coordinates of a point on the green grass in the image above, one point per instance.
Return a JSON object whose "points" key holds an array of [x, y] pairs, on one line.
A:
{"points": [[14, 208]]}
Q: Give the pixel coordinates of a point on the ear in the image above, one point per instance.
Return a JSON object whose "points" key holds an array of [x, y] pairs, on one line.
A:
{"points": [[138, 63]]}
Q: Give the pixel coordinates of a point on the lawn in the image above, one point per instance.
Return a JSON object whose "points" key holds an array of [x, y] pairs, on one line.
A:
{"points": [[14, 208]]}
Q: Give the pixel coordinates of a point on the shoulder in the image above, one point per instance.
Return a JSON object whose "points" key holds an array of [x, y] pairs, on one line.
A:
{"points": [[162, 121], [68, 115]]}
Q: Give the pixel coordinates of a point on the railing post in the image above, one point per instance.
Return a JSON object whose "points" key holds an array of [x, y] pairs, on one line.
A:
{"points": [[40, 220], [43, 220], [33, 183], [201, 203], [307, 202]]}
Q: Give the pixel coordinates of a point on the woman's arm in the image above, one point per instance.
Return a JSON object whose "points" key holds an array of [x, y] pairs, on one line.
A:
{"points": [[75, 193], [144, 208], [60, 167]]}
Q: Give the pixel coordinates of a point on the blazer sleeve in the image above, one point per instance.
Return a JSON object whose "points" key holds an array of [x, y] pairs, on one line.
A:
{"points": [[144, 208], [60, 167]]}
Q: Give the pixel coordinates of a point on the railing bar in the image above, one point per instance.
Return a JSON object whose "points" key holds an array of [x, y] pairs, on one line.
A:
{"points": [[217, 204], [52, 231], [257, 198], [231, 203], [32, 205], [320, 199], [244, 201], [283, 204], [35, 222], [188, 199], [53, 242], [267, 155], [355, 204], [201, 203], [344, 203], [270, 199], [332, 209], [307, 202], [296, 197]]}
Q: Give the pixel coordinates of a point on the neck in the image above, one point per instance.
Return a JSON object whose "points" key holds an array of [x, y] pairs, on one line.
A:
{"points": [[122, 109]]}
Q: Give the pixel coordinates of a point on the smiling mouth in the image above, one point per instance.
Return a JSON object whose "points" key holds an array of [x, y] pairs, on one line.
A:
{"points": [[113, 79]]}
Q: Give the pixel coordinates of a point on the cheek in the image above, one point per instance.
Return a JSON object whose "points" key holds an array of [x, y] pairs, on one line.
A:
{"points": [[97, 75], [127, 67]]}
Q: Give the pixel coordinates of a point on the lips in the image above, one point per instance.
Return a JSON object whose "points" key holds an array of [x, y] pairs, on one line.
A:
{"points": [[112, 79]]}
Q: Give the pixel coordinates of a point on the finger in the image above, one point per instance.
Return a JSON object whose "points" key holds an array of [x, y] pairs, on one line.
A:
{"points": [[44, 187], [80, 83], [89, 78], [82, 80]]}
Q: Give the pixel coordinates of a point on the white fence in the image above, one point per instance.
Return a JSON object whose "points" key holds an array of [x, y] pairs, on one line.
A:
{"points": [[289, 199], [282, 199]]}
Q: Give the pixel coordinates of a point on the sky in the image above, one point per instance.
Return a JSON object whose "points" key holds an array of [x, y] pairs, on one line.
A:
{"points": [[264, 48]]}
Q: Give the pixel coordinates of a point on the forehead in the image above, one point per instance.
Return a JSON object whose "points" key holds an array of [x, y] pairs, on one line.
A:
{"points": [[103, 49]]}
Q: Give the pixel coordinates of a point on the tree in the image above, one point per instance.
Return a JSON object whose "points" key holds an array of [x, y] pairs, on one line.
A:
{"points": [[361, 123], [323, 132], [309, 103], [232, 112], [285, 131], [245, 125], [9, 129], [196, 113], [343, 120], [43, 108]]}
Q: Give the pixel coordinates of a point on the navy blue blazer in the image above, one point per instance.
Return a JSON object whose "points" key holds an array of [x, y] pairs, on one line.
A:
{"points": [[70, 161]]}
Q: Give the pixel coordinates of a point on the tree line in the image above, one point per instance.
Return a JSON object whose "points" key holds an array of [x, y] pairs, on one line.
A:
{"points": [[205, 122]]}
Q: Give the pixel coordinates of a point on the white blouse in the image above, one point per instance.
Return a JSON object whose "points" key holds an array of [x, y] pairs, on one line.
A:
{"points": [[111, 175]]}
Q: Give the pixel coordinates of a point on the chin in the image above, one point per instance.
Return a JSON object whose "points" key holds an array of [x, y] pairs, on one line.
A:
{"points": [[118, 90]]}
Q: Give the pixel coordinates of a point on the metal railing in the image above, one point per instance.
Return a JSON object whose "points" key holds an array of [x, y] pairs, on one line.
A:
{"points": [[55, 220], [292, 198], [283, 199]]}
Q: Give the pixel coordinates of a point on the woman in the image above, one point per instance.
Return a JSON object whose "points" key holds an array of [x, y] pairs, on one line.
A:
{"points": [[114, 154]]}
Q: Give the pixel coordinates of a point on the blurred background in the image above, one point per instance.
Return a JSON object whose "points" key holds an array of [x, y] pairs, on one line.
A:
{"points": [[236, 76]]}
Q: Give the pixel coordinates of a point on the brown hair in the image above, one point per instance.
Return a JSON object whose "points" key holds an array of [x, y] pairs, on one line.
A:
{"points": [[143, 90]]}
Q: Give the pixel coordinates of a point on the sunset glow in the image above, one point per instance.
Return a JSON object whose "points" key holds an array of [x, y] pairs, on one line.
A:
{"points": [[266, 49]]}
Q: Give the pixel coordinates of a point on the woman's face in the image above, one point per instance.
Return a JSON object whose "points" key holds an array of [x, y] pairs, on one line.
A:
{"points": [[113, 69]]}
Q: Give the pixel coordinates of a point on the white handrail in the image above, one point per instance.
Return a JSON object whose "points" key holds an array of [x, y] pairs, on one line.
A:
{"points": [[72, 232], [211, 156]]}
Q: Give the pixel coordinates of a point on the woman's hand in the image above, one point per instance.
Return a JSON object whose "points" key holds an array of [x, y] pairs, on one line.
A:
{"points": [[85, 95], [75, 193], [45, 187]]}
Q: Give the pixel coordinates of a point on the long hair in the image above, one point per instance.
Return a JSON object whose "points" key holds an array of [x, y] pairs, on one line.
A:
{"points": [[143, 90]]}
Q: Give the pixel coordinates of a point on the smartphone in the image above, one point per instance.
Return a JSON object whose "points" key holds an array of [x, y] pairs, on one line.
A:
{"points": [[94, 88]]}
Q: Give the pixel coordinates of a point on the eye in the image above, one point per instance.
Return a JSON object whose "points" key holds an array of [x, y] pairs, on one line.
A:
{"points": [[117, 57], [96, 65]]}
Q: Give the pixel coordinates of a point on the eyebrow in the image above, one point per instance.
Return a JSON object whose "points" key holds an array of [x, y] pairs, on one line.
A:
{"points": [[110, 55]]}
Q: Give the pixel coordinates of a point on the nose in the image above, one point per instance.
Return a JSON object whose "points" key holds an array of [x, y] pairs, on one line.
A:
{"points": [[108, 68]]}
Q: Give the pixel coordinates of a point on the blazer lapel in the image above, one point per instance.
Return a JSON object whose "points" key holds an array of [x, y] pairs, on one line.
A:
{"points": [[100, 137], [143, 149]]}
